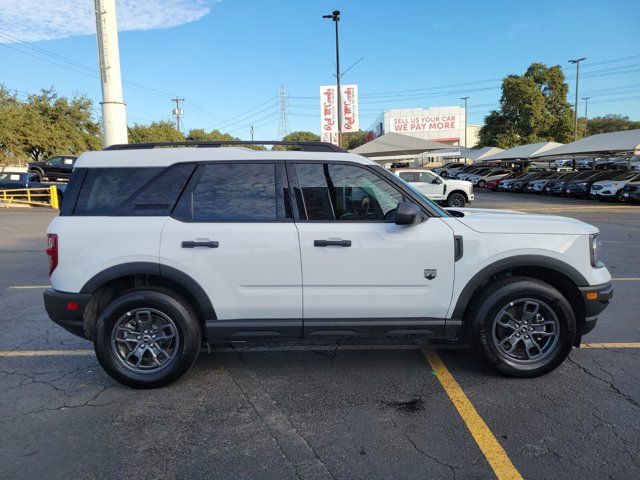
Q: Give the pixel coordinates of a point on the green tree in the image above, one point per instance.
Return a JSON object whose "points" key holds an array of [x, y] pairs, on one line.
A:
{"points": [[610, 123], [161, 131], [351, 140], [533, 108], [45, 125], [299, 136]]}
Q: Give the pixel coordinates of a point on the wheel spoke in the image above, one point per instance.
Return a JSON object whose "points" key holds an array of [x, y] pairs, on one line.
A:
{"points": [[143, 318], [511, 322], [166, 332], [530, 310]]}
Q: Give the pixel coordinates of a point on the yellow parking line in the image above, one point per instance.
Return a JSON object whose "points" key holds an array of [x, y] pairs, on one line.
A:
{"points": [[24, 287], [585, 208], [485, 439], [611, 345], [45, 353]]}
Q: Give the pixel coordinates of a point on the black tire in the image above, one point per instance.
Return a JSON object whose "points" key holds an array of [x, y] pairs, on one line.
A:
{"points": [[482, 184], [444, 174], [509, 291], [456, 199], [184, 326], [620, 196]]}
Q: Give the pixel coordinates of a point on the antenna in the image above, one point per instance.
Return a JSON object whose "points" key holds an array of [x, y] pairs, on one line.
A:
{"points": [[283, 100]]}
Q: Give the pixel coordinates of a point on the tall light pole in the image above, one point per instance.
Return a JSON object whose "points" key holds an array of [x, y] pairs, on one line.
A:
{"points": [[114, 116], [465, 120], [575, 110], [178, 112], [586, 114], [335, 16]]}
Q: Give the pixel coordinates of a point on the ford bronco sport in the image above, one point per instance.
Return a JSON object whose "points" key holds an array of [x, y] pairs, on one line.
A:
{"points": [[158, 251]]}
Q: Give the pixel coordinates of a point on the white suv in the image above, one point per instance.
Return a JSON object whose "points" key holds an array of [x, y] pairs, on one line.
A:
{"points": [[453, 193], [158, 251]]}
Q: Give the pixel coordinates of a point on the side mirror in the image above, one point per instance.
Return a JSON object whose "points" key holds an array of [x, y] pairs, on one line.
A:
{"points": [[408, 213], [436, 181]]}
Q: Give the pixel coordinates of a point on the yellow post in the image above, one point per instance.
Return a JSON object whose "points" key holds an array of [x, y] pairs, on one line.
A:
{"points": [[28, 195], [54, 197]]}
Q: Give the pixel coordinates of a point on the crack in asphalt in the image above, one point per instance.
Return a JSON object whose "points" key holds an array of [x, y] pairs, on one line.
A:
{"points": [[610, 384]]}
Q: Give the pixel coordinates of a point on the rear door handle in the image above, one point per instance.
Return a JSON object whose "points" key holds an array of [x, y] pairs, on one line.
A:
{"points": [[193, 244], [328, 243]]}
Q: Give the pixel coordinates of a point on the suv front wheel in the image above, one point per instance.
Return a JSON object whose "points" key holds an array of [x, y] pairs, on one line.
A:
{"points": [[523, 327], [147, 338]]}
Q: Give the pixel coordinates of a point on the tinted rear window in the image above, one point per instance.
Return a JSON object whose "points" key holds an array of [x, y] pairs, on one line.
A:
{"points": [[235, 192], [104, 189]]}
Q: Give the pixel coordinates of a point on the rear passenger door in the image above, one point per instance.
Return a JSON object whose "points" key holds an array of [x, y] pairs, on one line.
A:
{"points": [[357, 263], [233, 233]]}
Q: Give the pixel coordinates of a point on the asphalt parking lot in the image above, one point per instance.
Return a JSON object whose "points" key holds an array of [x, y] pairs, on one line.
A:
{"points": [[324, 410]]}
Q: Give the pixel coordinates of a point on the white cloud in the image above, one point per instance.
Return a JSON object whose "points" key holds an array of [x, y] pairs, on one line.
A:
{"points": [[34, 20]]}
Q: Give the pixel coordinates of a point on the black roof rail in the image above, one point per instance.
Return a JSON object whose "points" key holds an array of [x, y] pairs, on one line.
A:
{"points": [[304, 146]]}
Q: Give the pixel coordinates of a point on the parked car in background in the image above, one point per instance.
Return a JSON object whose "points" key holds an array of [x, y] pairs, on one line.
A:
{"points": [[520, 184], [563, 163], [580, 187], [506, 181], [23, 180], [537, 185], [449, 168], [467, 175], [631, 192], [54, 168], [556, 186], [584, 164], [453, 193], [613, 188], [481, 179]]}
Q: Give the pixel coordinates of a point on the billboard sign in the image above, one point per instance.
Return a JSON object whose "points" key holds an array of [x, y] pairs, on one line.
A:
{"points": [[329, 110], [424, 123]]}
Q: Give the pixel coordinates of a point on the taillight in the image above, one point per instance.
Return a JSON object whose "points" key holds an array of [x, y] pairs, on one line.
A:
{"points": [[52, 251]]}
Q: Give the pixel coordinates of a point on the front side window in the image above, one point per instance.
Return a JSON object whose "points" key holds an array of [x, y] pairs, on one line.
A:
{"points": [[335, 192], [408, 176], [427, 177], [235, 192]]}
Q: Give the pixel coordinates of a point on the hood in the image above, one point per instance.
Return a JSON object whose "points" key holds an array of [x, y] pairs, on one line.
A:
{"points": [[457, 183], [511, 221]]}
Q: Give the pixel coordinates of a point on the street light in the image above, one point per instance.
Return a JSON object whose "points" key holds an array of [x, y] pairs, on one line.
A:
{"points": [[586, 114], [335, 16], [575, 110], [465, 120]]}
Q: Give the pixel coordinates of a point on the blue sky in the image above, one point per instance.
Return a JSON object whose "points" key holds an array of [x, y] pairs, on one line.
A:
{"points": [[228, 58]]}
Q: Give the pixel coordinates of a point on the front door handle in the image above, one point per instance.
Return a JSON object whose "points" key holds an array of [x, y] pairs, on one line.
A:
{"points": [[193, 244], [328, 243]]}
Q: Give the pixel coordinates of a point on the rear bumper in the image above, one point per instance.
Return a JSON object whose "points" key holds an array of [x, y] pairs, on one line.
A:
{"points": [[596, 299], [67, 309]]}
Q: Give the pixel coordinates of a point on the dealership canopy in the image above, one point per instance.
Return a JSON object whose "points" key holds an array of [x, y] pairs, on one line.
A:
{"points": [[394, 144], [625, 143], [478, 154], [523, 152]]}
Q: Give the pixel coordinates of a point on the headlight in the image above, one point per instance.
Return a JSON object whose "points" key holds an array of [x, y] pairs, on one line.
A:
{"points": [[594, 251]]}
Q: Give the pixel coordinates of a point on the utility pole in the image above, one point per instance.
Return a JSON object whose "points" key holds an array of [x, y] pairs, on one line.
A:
{"points": [[252, 132], [284, 106], [178, 112], [586, 114], [465, 120], [335, 16], [114, 115], [575, 110]]}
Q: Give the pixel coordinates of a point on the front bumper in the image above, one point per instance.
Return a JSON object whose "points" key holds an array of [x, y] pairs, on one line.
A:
{"points": [[67, 309], [596, 299]]}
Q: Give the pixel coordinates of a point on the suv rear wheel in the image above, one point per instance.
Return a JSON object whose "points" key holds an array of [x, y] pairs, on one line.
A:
{"points": [[147, 338], [523, 327]]}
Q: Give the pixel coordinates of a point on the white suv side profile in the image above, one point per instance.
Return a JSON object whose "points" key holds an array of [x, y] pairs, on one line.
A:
{"points": [[452, 193], [158, 251]]}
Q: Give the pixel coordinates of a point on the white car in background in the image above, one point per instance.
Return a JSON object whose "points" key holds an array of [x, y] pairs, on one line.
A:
{"points": [[467, 175], [449, 169], [453, 193], [606, 189], [480, 179]]}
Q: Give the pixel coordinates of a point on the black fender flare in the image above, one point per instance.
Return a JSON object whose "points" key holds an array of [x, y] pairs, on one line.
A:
{"points": [[150, 268], [518, 261]]}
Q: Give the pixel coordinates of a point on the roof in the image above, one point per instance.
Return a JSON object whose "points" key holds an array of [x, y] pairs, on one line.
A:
{"points": [[626, 142], [395, 143], [523, 152], [477, 154], [162, 157]]}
